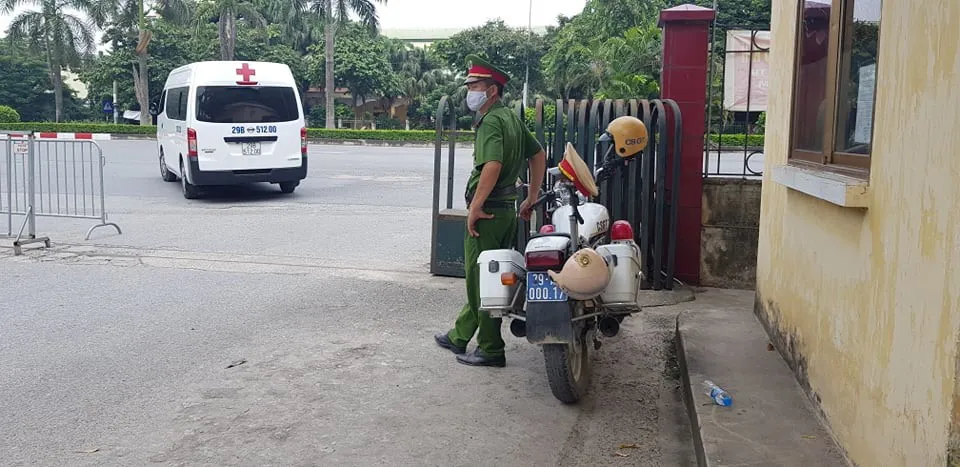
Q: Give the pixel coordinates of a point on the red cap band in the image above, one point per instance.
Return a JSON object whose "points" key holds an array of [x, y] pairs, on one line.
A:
{"points": [[484, 72], [566, 168]]}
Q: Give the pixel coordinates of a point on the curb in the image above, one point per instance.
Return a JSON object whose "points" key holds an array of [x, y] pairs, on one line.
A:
{"points": [[58, 136], [687, 393], [332, 142]]}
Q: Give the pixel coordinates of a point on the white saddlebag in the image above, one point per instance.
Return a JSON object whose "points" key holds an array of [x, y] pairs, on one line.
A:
{"points": [[625, 274], [493, 294]]}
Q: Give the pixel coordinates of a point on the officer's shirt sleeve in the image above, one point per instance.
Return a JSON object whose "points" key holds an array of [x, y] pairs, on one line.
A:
{"points": [[489, 145], [530, 144]]}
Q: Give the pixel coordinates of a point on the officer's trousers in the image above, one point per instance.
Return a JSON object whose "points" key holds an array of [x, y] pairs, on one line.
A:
{"points": [[497, 233]]}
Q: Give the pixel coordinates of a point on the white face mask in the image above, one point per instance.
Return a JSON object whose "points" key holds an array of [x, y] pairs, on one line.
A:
{"points": [[476, 99]]}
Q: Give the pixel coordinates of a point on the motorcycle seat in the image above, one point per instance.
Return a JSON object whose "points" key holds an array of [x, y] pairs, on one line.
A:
{"points": [[552, 234]]}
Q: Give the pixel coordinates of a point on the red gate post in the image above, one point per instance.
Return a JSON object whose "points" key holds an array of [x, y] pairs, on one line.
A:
{"points": [[686, 42]]}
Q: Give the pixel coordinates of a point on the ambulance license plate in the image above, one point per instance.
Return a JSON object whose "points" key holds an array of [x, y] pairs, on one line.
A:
{"points": [[250, 149], [540, 288]]}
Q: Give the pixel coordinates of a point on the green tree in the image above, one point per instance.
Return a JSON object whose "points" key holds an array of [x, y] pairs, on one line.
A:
{"points": [[739, 14], [336, 13], [226, 13], [131, 14], [612, 48], [575, 64], [510, 48], [434, 85], [26, 83], [363, 65], [270, 44], [171, 45], [62, 37], [293, 21], [633, 64]]}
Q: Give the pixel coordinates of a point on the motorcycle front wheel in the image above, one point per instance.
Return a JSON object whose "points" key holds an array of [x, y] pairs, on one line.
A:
{"points": [[568, 370]]}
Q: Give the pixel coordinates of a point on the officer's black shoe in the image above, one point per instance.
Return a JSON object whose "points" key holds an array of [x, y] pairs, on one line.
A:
{"points": [[476, 359], [444, 341]]}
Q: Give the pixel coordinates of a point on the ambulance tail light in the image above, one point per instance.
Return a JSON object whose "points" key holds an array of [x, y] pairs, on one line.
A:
{"points": [[191, 143], [303, 141], [543, 260], [621, 230]]}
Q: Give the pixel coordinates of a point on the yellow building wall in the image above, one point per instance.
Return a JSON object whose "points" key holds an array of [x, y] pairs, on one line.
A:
{"points": [[866, 302]]}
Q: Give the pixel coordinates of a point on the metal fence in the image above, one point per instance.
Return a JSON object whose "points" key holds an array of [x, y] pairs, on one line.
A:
{"points": [[733, 145], [645, 191], [50, 178]]}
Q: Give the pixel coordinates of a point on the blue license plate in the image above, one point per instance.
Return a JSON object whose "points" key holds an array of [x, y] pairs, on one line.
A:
{"points": [[540, 288]]}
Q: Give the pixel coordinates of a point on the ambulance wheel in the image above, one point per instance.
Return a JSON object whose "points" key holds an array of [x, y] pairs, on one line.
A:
{"points": [[288, 187], [167, 175], [189, 190]]}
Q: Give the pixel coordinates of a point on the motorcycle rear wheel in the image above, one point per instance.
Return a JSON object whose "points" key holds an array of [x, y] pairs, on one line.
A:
{"points": [[568, 370]]}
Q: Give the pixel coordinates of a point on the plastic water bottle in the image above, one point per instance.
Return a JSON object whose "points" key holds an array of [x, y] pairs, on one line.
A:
{"points": [[719, 396]]}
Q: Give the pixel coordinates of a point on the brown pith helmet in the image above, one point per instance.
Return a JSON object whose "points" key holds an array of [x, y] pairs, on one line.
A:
{"points": [[584, 276]]}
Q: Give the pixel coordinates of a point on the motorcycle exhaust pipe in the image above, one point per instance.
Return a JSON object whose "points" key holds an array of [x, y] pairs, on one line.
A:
{"points": [[609, 327], [518, 328]]}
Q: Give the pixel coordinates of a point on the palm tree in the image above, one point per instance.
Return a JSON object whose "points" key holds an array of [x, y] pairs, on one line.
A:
{"points": [[58, 33], [226, 13], [297, 28], [335, 13], [130, 11]]}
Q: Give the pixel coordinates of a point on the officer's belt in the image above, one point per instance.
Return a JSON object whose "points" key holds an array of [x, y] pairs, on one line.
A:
{"points": [[494, 204]]}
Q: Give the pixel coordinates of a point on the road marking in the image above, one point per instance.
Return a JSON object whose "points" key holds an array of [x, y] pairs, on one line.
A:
{"points": [[224, 262], [386, 179]]}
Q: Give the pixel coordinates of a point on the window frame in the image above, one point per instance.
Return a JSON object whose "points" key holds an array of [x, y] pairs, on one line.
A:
{"points": [[828, 158]]}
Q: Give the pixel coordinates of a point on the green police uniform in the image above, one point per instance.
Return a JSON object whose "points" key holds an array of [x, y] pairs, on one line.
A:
{"points": [[500, 136]]}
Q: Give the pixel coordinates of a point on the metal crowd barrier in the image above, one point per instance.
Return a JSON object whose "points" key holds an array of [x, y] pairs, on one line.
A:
{"points": [[42, 177]]}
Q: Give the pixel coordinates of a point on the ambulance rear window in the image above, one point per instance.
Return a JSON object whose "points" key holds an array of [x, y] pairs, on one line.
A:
{"points": [[246, 104]]}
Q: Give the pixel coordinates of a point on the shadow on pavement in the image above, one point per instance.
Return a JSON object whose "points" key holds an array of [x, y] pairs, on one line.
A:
{"points": [[245, 193]]}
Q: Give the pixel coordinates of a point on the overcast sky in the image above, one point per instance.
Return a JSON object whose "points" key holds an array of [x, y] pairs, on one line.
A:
{"points": [[464, 14], [419, 14]]}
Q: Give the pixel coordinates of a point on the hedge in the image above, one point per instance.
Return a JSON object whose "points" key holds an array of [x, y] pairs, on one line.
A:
{"points": [[80, 128], [421, 136], [411, 136], [737, 140]]}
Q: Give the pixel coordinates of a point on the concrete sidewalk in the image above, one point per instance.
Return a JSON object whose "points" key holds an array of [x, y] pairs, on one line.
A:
{"points": [[771, 421]]}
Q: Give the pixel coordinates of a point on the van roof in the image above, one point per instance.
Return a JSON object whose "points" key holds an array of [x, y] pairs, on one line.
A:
{"points": [[233, 73]]}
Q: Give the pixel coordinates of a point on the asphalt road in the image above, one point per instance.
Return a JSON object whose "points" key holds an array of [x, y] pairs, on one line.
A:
{"points": [[256, 328]]}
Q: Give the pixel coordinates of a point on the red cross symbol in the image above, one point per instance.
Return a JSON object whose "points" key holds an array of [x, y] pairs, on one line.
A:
{"points": [[246, 72]]}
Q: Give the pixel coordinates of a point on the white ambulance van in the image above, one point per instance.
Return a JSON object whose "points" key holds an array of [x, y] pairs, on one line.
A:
{"points": [[229, 123]]}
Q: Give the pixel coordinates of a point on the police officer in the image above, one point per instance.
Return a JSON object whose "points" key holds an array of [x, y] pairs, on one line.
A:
{"points": [[502, 149]]}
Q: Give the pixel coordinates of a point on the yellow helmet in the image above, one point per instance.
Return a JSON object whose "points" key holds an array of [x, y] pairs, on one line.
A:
{"points": [[629, 135]]}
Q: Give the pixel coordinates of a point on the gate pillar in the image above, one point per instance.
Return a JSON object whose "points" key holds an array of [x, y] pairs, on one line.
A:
{"points": [[684, 79]]}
